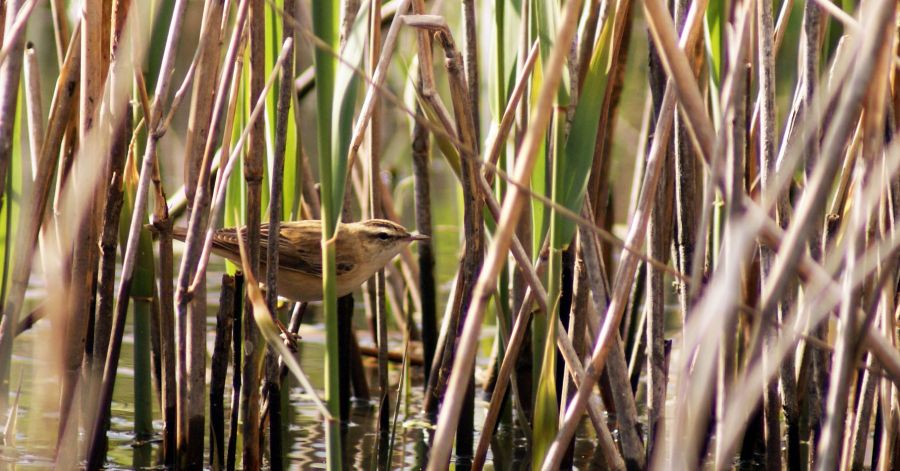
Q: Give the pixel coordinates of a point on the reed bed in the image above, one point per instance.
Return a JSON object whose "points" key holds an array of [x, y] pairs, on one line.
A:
{"points": [[666, 228]]}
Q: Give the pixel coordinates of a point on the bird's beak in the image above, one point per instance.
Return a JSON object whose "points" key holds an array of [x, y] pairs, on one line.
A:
{"points": [[417, 236]]}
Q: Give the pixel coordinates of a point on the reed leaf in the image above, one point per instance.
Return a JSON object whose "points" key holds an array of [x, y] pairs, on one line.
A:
{"points": [[575, 167]]}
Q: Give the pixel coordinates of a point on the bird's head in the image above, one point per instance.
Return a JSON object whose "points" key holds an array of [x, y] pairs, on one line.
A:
{"points": [[385, 239]]}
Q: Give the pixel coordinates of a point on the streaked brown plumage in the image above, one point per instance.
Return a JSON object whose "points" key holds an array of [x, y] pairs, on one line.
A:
{"points": [[361, 249]]}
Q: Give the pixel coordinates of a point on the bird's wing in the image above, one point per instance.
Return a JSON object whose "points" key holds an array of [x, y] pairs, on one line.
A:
{"points": [[300, 249]]}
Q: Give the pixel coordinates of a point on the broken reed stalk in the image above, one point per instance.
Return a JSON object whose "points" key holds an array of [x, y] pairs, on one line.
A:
{"points": [[218, 372], [33, 106]]}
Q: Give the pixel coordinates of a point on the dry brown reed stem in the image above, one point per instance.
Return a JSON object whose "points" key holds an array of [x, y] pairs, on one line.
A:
{"points": [[535, 293], [376, 209], [658, 18], [236, 373], [812, 201], [659, 235], [166, 292], [282, 112], [377, 82], [60, 30], [497, 139], [33, 107], [831, 437], [103, 324], [205, 72], [426, 282], [35, 117], [109, 238], [824, 299], [16, 23], [473, 203], [511, 210], [218, 372], [767, 166], [852, 321], [84, 245], [536, 288], [190, 358], [123, 67], [854, 454], [61, 110], [470, 62], [140, 202], [732, 148], [253, 176], [111, 207]]}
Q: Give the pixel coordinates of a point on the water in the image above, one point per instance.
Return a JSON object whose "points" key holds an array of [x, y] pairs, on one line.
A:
{"points": [[37, 417]]}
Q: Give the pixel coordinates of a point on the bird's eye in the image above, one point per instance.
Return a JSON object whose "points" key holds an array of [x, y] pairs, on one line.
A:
{"points": [[384, 236]]}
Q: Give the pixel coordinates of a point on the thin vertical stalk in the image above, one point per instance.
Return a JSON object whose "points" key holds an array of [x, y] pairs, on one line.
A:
{"points": [[108, 244], [659, 239], [34, 106], [190, 326], [470, 62], [767, 140], [142, 292], [324, 18], [373, 138], [282, 113], [219, 367], [10, 74], [811, 39], [236, 374], [253, 176], [422, 188]]}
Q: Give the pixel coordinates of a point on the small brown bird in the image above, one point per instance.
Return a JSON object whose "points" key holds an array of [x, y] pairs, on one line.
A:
{"points": [[361, 249]]}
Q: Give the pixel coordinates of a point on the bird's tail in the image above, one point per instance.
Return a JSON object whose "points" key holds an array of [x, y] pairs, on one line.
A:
{"points": [[179, 233]]}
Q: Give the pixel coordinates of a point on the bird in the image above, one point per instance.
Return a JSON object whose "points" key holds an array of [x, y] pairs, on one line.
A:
{"points": [[361, 249]]}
